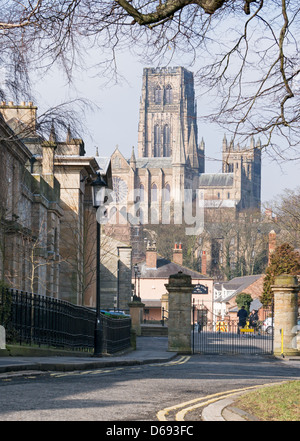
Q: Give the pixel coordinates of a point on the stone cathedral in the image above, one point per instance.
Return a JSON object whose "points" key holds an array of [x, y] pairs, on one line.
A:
{"points": [[169, 159]]}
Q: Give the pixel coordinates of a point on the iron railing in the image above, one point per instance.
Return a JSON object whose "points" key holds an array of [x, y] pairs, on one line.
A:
{"points": [[40, 320], [212, 335], [116, 334]]}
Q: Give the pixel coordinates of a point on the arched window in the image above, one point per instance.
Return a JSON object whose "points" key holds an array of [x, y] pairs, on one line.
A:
{"points": [[156, 140], [142, 193], [167, 193], [157, 95], [154, 193], [166, 141], [168, 94]]}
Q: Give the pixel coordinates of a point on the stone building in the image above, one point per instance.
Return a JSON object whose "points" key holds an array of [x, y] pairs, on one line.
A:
{"points": [[169, 171], [225, 293], [51, 180], [30, 211], [153, 274]]}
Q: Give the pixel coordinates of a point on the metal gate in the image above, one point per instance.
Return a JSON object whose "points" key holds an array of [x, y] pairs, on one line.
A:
{"points": [[214, 335]]}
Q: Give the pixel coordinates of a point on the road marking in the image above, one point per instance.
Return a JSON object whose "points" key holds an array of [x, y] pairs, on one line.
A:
{"points": [[181, 360], [201, 402]]}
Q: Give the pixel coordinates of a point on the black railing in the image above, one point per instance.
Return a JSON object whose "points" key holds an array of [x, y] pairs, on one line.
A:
{"points": [[39, 320], [116, 334], [213, 335]]}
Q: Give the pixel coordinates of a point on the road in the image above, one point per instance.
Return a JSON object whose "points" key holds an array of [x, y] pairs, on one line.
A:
{"points": [[135, 393]]}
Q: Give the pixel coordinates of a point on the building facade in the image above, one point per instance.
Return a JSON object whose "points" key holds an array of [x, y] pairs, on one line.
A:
{"points": [[48, 222], [30, 218], [153, 274]]}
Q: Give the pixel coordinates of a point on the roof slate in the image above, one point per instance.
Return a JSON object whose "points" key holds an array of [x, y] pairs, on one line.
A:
{"points": [[166, 268], [216, 180]]}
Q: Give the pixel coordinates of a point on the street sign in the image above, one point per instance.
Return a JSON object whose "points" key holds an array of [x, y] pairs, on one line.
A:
{"points": [[200, 289]]}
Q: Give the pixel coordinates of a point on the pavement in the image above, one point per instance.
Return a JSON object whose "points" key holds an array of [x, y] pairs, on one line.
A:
{"points": [[148, 350]]}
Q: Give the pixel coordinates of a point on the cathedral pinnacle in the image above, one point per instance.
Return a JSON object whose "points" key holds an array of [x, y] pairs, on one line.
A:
{"points": [[192, 149], [132, 159], [178, 150]]}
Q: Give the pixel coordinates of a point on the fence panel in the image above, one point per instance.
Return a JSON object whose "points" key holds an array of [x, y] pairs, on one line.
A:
{"points": [[116, 334], [34, 319], [212, 335]]}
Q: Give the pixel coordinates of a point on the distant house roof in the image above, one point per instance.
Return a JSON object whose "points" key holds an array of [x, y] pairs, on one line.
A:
{"points": [[238, 285], [166, 268]]}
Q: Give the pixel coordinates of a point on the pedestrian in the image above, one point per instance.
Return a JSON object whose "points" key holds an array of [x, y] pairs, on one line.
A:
{"points": [[242, 315], [254, 320]]}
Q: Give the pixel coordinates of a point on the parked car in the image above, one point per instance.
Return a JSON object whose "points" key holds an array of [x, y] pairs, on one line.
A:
{"points": [[118, 312], [268, 324]]}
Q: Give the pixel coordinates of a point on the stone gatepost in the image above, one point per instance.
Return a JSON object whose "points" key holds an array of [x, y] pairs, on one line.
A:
{"points": [[285, 315], [136, 312], [179, 322]]}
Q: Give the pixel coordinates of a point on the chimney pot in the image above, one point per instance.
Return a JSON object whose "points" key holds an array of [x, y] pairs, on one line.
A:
{"points": [[177, 254], [151, 255]]}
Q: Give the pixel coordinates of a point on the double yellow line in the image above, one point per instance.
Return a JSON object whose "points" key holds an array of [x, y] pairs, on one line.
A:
{"points": [[181, 360], [196, 403]]}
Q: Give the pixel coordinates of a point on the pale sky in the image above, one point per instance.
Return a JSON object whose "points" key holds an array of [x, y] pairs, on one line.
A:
{"points": [[116, 123]]}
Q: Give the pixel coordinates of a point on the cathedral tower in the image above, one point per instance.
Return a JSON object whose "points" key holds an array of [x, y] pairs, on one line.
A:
{"points": [[168, 107], [245, 165]]}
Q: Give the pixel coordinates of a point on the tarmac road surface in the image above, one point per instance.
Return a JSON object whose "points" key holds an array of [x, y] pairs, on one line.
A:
{"points": [[137, 392]]}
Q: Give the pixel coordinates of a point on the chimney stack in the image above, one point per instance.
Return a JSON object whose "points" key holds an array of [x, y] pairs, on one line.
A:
{"points": [[203, 263], [151, 255], [49, 148], [177, 254]]}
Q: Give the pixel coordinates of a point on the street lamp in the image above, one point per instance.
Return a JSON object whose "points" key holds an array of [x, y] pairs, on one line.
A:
{"points": [[135, 274], [139, 285], [98, 194]]}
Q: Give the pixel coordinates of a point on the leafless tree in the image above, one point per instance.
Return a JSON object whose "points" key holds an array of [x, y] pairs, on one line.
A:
{"points": [[247, 51], [286, 211]]}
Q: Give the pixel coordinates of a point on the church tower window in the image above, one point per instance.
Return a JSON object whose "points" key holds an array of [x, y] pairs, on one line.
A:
{"points": [[166, 141], [157, 136], [168, 95], [157, 95]]}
